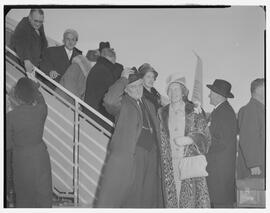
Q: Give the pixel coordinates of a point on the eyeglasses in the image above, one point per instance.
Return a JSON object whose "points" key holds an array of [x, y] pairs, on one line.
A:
{"points": [[36, 21], [39, 22]]}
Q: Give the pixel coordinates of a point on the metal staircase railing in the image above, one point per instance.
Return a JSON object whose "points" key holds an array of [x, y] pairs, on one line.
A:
{"points": [[76, 143]]}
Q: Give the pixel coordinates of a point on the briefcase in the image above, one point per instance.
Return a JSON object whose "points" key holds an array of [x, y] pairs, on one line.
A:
{"points": [[251, 193]]}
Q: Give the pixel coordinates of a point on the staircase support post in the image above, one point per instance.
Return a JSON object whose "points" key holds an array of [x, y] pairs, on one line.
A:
{"points": [[76, 154]]}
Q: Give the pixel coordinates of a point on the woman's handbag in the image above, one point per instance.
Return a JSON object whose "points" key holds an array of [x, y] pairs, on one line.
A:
{"points": [[193, 166]]}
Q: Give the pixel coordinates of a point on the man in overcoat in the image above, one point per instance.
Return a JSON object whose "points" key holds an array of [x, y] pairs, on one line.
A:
{"points": [[221, 156], [57, 59], [103, 75], [131, 175], [29, 40], [251, 120]]}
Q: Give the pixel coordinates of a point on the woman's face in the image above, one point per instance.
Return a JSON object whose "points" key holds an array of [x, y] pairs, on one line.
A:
{"points": [[175, 92], [148, 80]]}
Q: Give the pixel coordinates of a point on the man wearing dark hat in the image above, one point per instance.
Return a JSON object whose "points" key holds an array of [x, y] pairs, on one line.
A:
{"points": [[222, 153], [103, 74], [130, 178]]}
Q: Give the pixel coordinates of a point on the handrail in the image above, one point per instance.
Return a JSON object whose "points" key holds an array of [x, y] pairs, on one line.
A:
{"points": [[76, 133], [77, 99]]}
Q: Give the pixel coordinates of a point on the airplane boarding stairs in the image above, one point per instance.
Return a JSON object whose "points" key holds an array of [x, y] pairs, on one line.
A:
{"points": [[76, 143]]}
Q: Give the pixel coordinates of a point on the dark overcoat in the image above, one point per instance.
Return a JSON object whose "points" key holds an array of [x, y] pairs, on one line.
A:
{"points": [[31, 162], [222, 155], [251, 120], [56, 58], [117, 177], [27, 43], [102, 76]]}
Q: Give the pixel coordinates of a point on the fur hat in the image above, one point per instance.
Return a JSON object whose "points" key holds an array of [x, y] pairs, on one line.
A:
{"points": [[175, 78]]}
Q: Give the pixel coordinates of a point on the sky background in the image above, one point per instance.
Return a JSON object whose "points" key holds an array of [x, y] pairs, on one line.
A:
{"points": [[230, 41]]}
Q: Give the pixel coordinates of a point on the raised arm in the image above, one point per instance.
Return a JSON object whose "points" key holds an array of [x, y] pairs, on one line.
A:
{"points": [[113, 98]]}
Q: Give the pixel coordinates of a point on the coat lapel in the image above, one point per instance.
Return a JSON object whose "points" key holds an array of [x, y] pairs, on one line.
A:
{"points": [[134, 103]]}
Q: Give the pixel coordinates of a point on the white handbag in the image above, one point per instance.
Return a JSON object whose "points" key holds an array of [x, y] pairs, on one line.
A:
{"points": [[193, 166]]}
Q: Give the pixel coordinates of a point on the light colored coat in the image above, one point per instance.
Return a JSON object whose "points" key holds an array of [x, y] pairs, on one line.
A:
{"points": [[75, 77]]}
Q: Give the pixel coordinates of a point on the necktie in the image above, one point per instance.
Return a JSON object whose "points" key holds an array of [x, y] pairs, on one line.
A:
{"points": [[37, 32]]}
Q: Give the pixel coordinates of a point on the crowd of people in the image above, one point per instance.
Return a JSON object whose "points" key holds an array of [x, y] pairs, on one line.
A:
{"points": [[162, 154]]}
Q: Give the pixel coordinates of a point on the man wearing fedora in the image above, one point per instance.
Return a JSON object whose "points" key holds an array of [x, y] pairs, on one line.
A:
{"points": [[222, 153], [103, 74], [131, 178]]}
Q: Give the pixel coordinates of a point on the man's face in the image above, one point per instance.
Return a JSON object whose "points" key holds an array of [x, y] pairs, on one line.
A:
{"points": [[135, 89], [213, 98], [260, 92], [70, 41], [36, 20]]}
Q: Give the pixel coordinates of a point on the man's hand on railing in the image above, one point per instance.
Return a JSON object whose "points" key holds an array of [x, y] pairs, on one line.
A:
{"points": [[53, 74], [28, 66]]}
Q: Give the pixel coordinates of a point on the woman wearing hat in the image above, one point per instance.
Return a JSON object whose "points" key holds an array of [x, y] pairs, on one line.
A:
{"points": [[31, 163], [149, 76], [184, 134]]}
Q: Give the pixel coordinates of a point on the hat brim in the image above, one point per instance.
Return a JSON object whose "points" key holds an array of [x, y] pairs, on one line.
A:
{"points": [[176, 82], [217, 90], [135, 82]]}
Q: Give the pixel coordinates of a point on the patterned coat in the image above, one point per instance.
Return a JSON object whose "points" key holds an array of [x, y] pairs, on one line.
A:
{"points": [[194, 191]]}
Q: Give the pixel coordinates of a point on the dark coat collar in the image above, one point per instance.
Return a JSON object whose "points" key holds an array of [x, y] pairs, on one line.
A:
{"points": [[254, 101], [222, 105], [106, 62]]}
